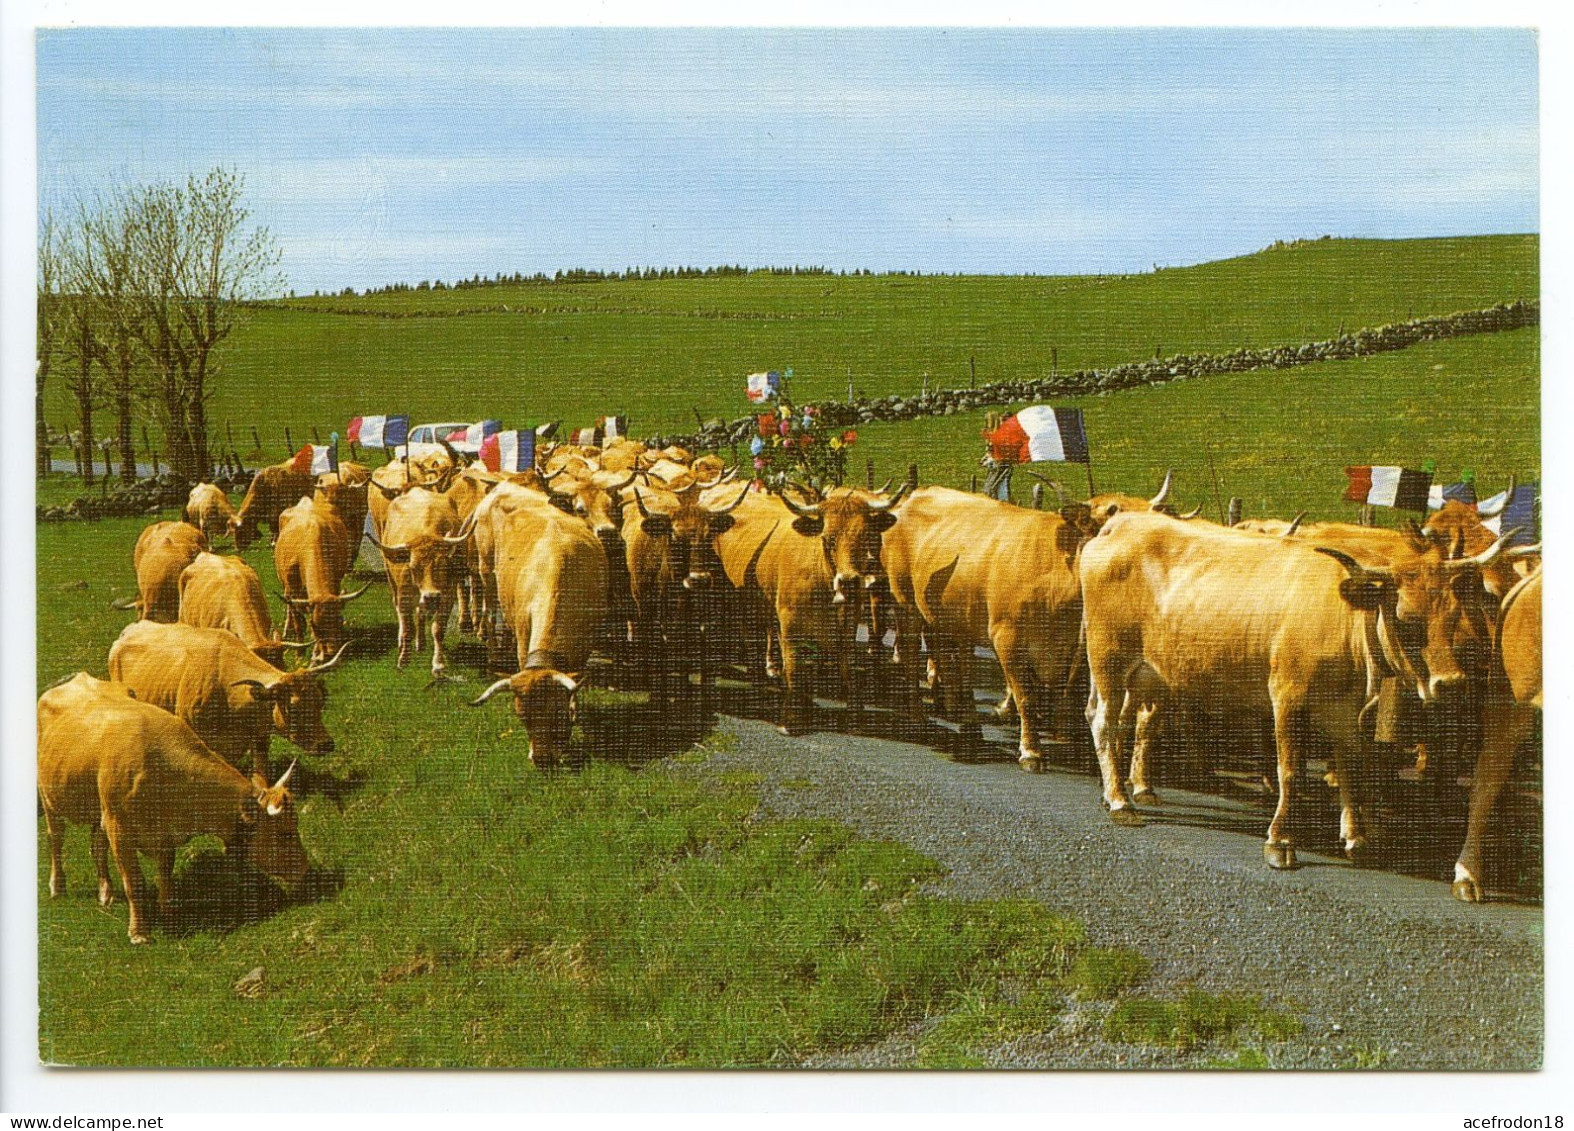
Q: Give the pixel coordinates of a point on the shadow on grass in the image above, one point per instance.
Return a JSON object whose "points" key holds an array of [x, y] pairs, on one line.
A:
{"points": [[220, 893]]}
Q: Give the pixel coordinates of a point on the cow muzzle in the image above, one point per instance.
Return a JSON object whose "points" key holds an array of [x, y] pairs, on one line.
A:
{"points": [[697, 580]]}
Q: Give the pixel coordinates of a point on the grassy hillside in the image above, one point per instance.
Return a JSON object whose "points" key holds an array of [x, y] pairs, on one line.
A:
{"points": [[657, 350]]}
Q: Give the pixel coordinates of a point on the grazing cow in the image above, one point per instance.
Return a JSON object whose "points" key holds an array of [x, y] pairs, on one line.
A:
{"points": [[218, 591], [162, 551], [969, 571], [1512, 703], [552, 586], [144, 782], [1273, 626], [423, 556], [311, 558], [796, 565], [669, 546], [220, 688], [208, 509], [273, 490]]}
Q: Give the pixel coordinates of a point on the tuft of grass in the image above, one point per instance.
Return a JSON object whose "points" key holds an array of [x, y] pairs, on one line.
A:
{"points": [[1102, 973], [1197, 1018]]}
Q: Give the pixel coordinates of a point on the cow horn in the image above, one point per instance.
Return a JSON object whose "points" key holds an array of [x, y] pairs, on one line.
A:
{"points": [[329, 665], [352, 596], [464, 532], [1195, 511], [810, 511], [566, 680], [1295, 524], [1164, 491], [887, 504], [625, 485], [384, 548], [1518, 552], [125, 605], [452, 455], [255, 684], [296, 601], [391, 492], [285, 780], [1490, 554], [551, 475], [1060, 492], [734, 505], [293, 643], [1353, 567], [500, 685], [727, 476], [640, 502], [1508, 495], [804, 490]]}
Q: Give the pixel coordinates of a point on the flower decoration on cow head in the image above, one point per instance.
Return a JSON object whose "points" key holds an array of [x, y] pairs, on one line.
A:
{"points": [[794, 442]]}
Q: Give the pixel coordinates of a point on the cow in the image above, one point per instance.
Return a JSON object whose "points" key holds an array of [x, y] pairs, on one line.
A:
{"points": [[346, 492], [552, 586], [233, 699], [144, 782], [970, 571], [1459, 528], [208, 509], [798, 566], [1512, 702], [162, 552], [1272, 625], [273, 490], [424, 558], [218, 591], [668, 542], [489, 514], [311, 558]]}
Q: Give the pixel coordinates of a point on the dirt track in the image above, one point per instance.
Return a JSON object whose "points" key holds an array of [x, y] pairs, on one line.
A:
{"points": [[1382, 968]]}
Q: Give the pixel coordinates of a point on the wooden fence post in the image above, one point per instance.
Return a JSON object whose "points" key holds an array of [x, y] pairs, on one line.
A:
{"points": [[256, 441], [1235, 511], [972, 484], [972, 371], [912, 476], [289, 442], [869, 474], [316, 439], [1038, 496]]}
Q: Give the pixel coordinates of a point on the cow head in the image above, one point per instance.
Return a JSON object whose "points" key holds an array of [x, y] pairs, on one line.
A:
{"points": [[1428, 613], [1102, 508], [270, 834], [347, 500], [849, 525], [545, 702], [1457, 528], [430, 558], [598, 500], [297, 698], [683, 539]]}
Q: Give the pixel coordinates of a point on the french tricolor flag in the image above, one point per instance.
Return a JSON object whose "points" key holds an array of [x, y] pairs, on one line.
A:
{"points": [[476, 434], [378, 431], [1518, 510], [511, 451], [1040, 433], [1464, 492], [763, 386], [316, 459], [1399, 487]]}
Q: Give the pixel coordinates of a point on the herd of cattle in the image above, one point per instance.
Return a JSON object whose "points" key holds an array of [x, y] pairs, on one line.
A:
{"points": [[641, 555]]}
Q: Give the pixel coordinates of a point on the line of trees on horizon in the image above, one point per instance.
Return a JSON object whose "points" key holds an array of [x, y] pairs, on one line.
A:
{"points": [[593, 275], [138, 291]]}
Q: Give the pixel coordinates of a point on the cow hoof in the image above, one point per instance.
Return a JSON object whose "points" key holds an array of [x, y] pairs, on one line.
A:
{"points": [[1280, 856], [1032, 763], [1145, 796], [1126, 817], [1466, 888], [1359, 853], [105, 896], [140, 940]]}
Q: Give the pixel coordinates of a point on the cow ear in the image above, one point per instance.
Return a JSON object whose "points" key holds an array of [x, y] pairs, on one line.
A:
{"points": [[1363, 593], [1077, 514], [561, 502], [656, 525], [882, 521], [720, 523], [810, 526]]}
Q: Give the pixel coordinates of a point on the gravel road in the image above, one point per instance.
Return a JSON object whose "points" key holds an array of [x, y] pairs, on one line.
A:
{"points": [[1381, 968]]}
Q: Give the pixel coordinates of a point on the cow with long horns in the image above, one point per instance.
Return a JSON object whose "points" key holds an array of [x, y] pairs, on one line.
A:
{"points": [[551, 577], [312, 557], [144, 782], [423, 552], [224, 691]]}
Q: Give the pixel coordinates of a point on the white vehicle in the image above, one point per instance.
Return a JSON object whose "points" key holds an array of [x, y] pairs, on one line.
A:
{"points": [[426, 436]]}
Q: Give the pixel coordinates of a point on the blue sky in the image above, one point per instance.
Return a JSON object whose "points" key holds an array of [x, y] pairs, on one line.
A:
{"points": [[409, 154]]}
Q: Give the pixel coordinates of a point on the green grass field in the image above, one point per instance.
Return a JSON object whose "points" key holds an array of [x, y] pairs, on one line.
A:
{"points": [[469, 911], [658, 350]]}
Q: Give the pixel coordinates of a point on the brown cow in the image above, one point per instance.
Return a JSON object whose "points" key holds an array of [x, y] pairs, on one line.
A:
{"points": [[312, 558], [208, 509], [233, 699], [273, 490], [423, 556], [144, 782], [346, 492], [1273, 626], [552, 585], [218, 591], [162, 551], [1513, 701]]}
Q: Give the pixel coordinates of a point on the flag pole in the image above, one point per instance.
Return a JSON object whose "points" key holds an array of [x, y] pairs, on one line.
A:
{"points": [[1213, 471], [1088, 464]]}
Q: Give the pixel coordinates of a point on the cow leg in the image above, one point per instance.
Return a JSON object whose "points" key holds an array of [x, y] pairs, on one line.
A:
{"points": [[1104, 722], [164, 878], [1148, 724], [405, 608], [956, 690], [1504, 732], [106, 892], [1279, 849], [906, 657], [439, 626], [259, 757], [293, 622], [797, 671], [130, 880], [1353, 773], [842, 639], [1022, 689], [57, 842]]}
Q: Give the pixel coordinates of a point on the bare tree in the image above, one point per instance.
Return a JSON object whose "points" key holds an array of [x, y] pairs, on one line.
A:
{"points": [[78, 338], [156, 217], [109, 232], [49, 317]]}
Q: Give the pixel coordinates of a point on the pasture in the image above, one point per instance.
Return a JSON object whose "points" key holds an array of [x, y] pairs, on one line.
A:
{"points": [[468, 910]]}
